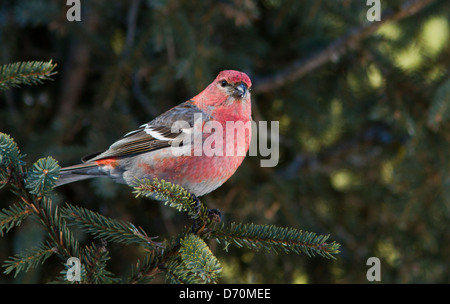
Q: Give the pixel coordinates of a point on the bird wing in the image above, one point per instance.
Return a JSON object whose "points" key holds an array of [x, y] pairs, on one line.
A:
{"points": [[154, 135]]}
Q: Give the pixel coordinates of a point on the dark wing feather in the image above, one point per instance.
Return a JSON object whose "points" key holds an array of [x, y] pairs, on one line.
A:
{"points": [[154, 135]]}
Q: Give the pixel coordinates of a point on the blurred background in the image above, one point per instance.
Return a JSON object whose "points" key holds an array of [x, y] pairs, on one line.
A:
{"points": [[364, 111]]}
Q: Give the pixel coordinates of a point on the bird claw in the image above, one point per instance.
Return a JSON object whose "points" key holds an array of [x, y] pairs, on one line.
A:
{"points": [[215, 215], [198, 204]]}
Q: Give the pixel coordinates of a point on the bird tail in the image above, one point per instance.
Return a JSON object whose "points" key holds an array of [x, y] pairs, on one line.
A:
{"points": [[77, 172]]}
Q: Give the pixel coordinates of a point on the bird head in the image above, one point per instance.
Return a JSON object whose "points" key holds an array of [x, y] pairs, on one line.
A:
{"points": [[229, 87], [233, 83]]}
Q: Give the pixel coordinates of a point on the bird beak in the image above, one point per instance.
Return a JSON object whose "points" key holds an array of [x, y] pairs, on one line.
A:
{"points": [[240, 90]]}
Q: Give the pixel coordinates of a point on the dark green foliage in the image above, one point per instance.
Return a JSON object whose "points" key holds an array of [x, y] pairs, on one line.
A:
{"points": [[185, 259], [440, 106], [364, 134]]}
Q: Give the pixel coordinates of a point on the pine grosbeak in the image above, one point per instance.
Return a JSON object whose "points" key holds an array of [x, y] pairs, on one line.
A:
{"points": [[149, 152]]}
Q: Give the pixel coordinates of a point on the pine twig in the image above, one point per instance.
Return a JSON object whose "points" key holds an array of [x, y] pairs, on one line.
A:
{"points": [[179, 198], [28, 259], [13, 216], [276, 239], [185, 258], [94, 260], [107, 228], [198, 259], [30, 73], [34, 192]]}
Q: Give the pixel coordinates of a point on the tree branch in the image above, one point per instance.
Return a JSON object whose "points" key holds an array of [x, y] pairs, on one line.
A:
{"points": [[336, 49]]}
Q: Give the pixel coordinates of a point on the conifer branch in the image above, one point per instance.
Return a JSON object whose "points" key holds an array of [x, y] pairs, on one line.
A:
{"points": [[42, 177], [174, 196], [10, 158], [13, 216], [28, 259], [34, 192], [198, 259], [185, 258], [60, 235], [276, 239], [29, 73], [107, 228], [177, 273], [145, 271], [94, 260], [194, 264], [159, 261]]}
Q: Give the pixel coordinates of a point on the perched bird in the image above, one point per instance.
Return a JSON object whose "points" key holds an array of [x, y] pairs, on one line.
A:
{"points": [[150, 151]]}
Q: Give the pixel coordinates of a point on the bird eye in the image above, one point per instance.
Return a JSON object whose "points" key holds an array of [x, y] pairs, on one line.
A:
{"points": [[223, 83]]}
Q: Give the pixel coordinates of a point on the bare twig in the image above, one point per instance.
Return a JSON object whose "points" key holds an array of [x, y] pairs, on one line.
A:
{"points": [[131, 27], [336, 49]]}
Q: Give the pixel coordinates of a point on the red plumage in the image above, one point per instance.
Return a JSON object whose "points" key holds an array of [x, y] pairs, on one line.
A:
{"points": [[148, 152]]}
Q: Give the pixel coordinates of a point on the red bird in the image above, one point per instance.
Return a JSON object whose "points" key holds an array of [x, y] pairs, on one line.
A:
{"points": [[151, 151]]}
